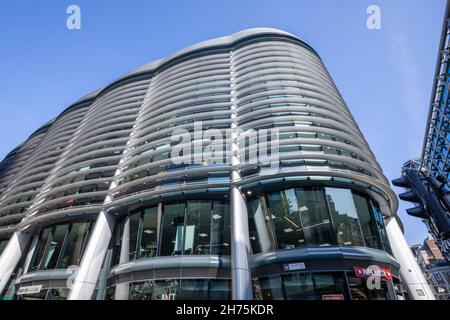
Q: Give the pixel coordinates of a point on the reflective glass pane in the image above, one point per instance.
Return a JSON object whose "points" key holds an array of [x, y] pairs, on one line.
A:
{"points": [[315, 218], [220, 229], [330, 284], [198, 227], [268, 288], [299, 286], [367, 221], [260, 227], [192, 289], [172, 230], [149, 233], [220, 289], [117, 242], [141, 290], [285, 217], [58, 294], [40, 249], [75, 242], [345, 218], [54, 247], [134, 232], [166, 290], [359, 290], [381, 227]]}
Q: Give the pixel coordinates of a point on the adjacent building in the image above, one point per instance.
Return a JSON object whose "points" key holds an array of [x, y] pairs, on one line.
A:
{"points": [[435, 160], [232, 169], [434, 266]]}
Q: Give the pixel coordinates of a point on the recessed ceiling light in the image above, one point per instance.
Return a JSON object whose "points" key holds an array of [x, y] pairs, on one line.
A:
{"points": [[217, 217], [148, 231], [203, 235], [288, 230]]}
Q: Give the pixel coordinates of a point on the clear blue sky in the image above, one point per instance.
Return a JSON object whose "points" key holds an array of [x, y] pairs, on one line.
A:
{"points": [[384, 75]]}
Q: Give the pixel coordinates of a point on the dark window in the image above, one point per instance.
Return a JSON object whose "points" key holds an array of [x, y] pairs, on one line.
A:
{"points": [[299, 286], [166, 290], [54, 247], [198, 227], [134, 234], [283, 209], [268, 288], [343, 211], [260, 227], [75, 243], [220, 290], [315, 218], [141, 290], [220, 229], [172, 230], [192, 289], [149, 233], [368, 223]]}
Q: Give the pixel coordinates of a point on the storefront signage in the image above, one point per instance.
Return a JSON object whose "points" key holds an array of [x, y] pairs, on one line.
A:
{"points": [[333, 297], [29, 290], [294, 266], [361, 272]]}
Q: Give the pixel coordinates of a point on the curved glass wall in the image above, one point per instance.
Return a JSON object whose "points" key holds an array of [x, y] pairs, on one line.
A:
{"points": [[191, 227], [314, 216], [317, 286], [60, 246], [177, 289]]}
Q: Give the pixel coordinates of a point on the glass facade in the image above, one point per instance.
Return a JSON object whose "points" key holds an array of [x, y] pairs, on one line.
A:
{"points": [[317, 286], [176, 289], [60, 246], [192, 227], [315, 216]]}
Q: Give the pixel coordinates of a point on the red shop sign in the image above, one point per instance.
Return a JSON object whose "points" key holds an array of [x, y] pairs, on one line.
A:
{"points": [[361, 272]]}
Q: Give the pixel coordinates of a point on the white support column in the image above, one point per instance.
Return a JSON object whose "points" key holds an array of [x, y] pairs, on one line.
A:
{"points": [[241, 276], [11, 256], [122, 289], [410, 271], [240, 248], [89, 270]]}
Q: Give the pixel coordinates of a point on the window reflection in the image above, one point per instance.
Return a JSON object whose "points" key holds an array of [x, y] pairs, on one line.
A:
{"points": [[172, 229], [166, 290], [285, 218], [61, 246], [343, 211], [314, 216], [175, 289], [193, 227], [149, 242], [192, 289]]}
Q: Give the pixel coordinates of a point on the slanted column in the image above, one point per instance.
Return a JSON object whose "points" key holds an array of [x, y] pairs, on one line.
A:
{"points": [[412, 276], [11, 256], [91, 264]]}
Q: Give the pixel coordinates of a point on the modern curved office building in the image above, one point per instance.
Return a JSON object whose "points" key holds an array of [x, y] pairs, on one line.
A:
{"points": [[232, 169]]}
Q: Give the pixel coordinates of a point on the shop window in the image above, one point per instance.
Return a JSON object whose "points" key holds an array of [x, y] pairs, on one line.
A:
{"points": [[192, 289], [299, 286]]}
